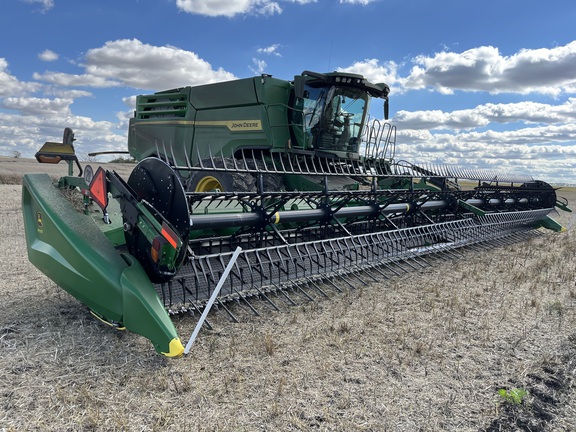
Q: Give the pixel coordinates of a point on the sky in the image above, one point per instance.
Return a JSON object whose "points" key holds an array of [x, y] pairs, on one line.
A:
{"points": [[476, 84]]}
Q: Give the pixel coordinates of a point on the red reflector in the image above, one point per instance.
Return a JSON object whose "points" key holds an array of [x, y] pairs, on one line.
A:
{"points": [[155, 249], [169, 235], [98, 190]]}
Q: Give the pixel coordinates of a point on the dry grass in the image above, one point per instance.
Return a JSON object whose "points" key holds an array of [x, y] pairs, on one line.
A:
{"points": [[426, 351]]}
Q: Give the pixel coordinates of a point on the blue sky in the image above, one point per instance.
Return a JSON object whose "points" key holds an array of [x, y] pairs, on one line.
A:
{"points": [[488, 84]]}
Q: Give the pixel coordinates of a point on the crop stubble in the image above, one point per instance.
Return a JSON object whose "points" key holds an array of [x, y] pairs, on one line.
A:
{"points": [[425, 351]]}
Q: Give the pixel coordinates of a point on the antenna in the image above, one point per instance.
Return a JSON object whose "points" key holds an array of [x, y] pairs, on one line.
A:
{"points": [[330, 54]]}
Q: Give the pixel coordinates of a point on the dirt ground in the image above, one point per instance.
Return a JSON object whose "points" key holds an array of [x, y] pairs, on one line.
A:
{"points": [[486, 342]]}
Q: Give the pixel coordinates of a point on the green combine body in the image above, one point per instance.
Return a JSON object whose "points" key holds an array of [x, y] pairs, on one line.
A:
{"points": [[212, 119], [323, 115], [294, 173]]}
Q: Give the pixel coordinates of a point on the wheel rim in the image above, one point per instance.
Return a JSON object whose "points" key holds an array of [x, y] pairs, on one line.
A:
{"points": [[208, 183]]}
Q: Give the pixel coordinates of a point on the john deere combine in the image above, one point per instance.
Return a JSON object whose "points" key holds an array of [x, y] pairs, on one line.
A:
{"points": [[292, 172]]}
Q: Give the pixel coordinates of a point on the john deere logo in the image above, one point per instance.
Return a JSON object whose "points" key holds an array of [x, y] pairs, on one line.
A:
{"points": [[39, 222], [234, 125], [245, 125]]}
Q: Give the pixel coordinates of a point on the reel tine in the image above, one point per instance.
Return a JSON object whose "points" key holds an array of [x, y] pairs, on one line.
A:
{"points": [[312, 256]]}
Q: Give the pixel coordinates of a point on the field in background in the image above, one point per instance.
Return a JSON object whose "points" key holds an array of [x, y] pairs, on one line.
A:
{"points": [[11, 169], [428, 350]]}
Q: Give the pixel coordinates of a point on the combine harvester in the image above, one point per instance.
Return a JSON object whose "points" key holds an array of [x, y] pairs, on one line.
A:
{"points": [[292, 172]]}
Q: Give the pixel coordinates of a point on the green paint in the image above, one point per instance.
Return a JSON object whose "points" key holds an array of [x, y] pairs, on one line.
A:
{"points": [[72, 251]]}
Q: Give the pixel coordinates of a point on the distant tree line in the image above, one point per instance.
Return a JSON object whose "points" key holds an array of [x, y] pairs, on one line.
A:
{"points": [[123, 160]]}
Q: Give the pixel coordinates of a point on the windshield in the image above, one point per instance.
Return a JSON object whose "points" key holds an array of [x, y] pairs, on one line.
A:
{"points": [[333, 117]]}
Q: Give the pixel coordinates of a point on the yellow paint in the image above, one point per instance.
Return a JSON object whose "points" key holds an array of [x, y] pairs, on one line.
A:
{"points": [[175, 349], [57, 148], [208, 183], [232, 125], [101, 319]]}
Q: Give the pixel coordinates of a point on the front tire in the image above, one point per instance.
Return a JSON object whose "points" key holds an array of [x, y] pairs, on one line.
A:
{"points": [[223, 181]]}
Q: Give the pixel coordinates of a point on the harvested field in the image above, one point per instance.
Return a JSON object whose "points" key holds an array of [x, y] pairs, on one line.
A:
{"points": [[486, 342]]}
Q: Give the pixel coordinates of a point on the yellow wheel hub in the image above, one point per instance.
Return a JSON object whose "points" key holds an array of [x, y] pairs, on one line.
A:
{"points": [[207, 184]]}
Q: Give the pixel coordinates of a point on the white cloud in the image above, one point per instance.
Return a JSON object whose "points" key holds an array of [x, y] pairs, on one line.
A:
{"points": [[45, 5], [75, 80], [544, 148], [125, 116], [129, 62], [259, 66], [48, 56], [130, 101], [360, 2], [483, 115], [537, 137], [117, 63], [67, 93], [375, 72], [38, 106], [548, 71], [267, 8], [544, 145], [272, 50], [545, 71], [229, 8], [27, 132], [546, 152], [9, 84], [552, 163]]}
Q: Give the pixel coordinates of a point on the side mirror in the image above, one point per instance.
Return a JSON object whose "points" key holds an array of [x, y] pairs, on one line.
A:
{"points": [[299, 86]]}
